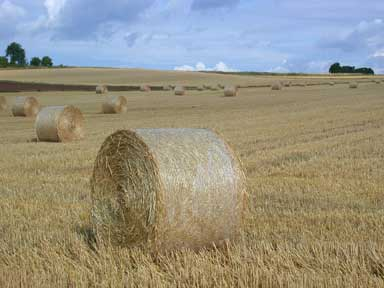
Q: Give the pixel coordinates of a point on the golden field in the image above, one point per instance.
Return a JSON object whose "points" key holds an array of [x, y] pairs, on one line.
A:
{"points": [[314, 160]]}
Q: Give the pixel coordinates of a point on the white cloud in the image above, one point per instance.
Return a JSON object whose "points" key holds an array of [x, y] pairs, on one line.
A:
{"points": [[53, 8], [9, 11], [200, 66]]}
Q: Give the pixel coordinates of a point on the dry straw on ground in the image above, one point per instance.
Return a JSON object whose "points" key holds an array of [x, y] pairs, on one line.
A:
{"points": [[167, 189], [3, 103], [276, 86], [353, 85], [101, 89], [377, 81], [25, 106], [114, 104], [179, 90], [59, 124], [145, 88], [231, 91]]}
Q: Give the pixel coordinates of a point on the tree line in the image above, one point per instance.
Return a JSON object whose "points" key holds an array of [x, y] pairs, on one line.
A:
{"points": [[15, 56], [337, 68]]}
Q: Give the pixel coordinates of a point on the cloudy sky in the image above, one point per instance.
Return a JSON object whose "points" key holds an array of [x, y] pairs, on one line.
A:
{"points": [[243, 35]]}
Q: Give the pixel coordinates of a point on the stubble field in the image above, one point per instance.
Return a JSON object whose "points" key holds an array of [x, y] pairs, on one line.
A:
{"points": [[314, 160]]}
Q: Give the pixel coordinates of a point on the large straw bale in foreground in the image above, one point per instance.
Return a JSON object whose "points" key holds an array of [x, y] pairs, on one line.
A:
{"points": [[166, 189], [179, 90], [25, 106], [353, 85], [3, 103], [59, 124], [115, 104], [101, 89], [231, 91]]}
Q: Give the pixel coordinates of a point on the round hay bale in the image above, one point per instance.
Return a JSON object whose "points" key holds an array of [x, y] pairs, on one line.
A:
{"points": [[114, 104], [167, 87], [331, 83], [25, 107], [287, 84], [3, 103], [353, 85], [59, 124], [200, 88], [101, 89], [167, 189], [231, 91], [145, 88], [179, 90], [276, 86]]}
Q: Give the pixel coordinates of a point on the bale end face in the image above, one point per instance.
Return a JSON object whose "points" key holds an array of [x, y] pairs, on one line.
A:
{"points": [[167, 189], [59, 124]]}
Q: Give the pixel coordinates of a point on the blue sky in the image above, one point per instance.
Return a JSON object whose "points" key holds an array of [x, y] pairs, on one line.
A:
{"points": [[243, 35]]}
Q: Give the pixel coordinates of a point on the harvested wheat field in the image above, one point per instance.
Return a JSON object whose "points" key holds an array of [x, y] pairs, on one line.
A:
{"points": [[314, 163]]}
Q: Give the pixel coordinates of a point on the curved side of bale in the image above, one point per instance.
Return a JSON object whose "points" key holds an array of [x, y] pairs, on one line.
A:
{"points": [[59, 124], [145, 88], [167, 189], [231, 91], [115, 104], [25, 107], [179, 90], [353, 85], [3, 103], [276, 86], [101, 89]]}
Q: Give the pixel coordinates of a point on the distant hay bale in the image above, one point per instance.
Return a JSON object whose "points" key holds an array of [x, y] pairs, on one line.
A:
{"points": [[101, 89], [200, 88], [166, 189], [167, 88], [276, 86], [353, 85], [179, 90], [25, 107], [287, 84], [114, 104], [206, 87], [3, 103], [59, 124], [331, 83], [145, 88], [231, 91]]}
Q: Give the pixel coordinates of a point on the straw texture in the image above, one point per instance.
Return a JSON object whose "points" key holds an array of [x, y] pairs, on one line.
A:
{"points": [[3, 103], [59, 124], [101, 89], [276, 86], [114, 104], [230, 91], [25, 107], [145, 88], [166, 189], [353, 85], [179, 90]]}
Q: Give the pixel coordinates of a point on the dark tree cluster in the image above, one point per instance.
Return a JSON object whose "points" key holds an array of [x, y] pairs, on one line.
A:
{"points": [[336, 68], [15, 57]]}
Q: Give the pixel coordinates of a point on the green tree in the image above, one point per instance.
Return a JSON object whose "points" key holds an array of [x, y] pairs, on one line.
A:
{"points": [[46, 61], [16, 54], [35, 61], [335, 68], [3, 61]]}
